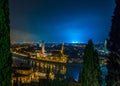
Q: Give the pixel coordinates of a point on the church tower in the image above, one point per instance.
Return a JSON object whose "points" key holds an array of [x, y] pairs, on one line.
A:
{"points": [[43, 47], [62, 49], [105, 47]]}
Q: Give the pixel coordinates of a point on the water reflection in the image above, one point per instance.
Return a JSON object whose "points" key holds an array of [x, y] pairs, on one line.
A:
{"points": [[29, 71]]}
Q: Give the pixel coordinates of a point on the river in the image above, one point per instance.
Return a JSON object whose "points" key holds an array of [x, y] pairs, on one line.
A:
{"points": [[69, 70]]}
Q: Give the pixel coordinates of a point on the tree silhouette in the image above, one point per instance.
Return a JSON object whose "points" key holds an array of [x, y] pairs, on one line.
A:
{"points": [[115, 30], [90, 75], [5, 56], [113, 78]]}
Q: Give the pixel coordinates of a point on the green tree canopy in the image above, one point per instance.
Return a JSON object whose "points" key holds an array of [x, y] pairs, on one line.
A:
{"points": [[5, 57], [90, 74]]}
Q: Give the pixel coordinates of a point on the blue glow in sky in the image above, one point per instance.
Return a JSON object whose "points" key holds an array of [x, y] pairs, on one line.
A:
{"points": [[60, 20], [75, 42]]}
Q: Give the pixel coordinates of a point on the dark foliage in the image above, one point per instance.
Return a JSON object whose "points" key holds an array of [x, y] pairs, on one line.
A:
{"points": [[115, 30], [5, 56], [113, 78], [90, 75]]}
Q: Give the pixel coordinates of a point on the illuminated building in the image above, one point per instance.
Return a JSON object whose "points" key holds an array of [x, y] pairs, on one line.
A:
{"points": [[26, 75], [105, 47], [62, 49], [43, 47]]}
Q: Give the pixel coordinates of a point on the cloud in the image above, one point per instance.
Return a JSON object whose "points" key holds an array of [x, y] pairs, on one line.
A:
{"points": [[17, 36]]}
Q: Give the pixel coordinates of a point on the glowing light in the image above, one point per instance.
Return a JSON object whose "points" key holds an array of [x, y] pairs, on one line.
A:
{"points": [[74, 42]]}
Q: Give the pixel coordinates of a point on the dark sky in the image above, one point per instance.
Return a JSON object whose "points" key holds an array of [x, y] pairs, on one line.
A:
{"points": [[60, 20]]}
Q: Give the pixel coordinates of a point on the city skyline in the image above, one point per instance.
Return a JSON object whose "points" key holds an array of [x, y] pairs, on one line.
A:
{"points": [[61, 20]]}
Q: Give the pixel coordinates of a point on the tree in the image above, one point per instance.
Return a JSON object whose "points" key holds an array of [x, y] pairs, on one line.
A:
{"points": [[5, 55], [90, 74], [113, 78], [115, 30]]}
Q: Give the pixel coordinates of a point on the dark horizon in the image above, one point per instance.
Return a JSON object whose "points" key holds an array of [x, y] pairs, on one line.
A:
{"points": [[60, 20]]}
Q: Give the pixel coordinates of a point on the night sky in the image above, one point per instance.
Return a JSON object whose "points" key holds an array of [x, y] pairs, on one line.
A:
{"points": [[60, 20]]}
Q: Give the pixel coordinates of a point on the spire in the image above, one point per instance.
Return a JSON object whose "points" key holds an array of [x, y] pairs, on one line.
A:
{"points": [[62, 49], [105, 47], [43, 47]]}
